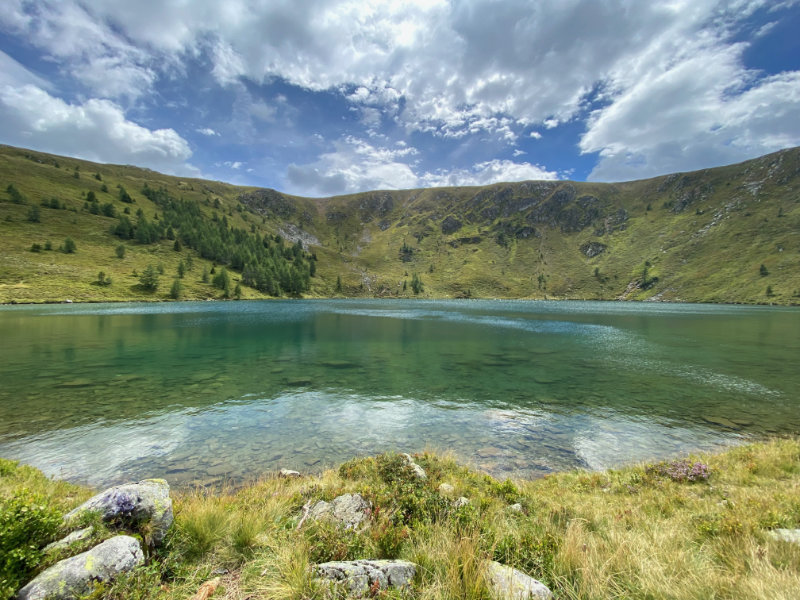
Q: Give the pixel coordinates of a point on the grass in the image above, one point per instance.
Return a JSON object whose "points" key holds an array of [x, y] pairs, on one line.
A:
{"points": [[644, 531], [735, 219]]}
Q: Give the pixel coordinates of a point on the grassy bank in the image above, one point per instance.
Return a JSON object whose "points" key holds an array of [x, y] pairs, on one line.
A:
{"points": [[648, 531], [719, 235]]}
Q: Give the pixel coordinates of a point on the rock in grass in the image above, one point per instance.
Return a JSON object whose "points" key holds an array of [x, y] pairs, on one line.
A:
{"points": [[75, 577], [791, 536], [419, 472], [462, 501], [508, 583], [349, 510], [359, 577], [288, 474], [144, 506], [75, 536], [446, 489]]}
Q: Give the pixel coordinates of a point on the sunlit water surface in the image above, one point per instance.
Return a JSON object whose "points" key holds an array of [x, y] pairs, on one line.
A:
{"points": [[201, 393]]}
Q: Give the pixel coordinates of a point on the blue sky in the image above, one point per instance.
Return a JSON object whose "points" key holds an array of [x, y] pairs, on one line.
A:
{"points": [[321, 97]]}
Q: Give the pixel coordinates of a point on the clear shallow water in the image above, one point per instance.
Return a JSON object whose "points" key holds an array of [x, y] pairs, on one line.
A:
{"points": [[205, 392]]}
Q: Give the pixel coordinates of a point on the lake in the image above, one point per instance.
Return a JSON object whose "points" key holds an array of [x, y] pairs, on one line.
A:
{"points": [[206, 392]]}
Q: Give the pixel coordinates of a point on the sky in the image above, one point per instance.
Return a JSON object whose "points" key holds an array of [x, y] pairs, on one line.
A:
{"points": [[324, 97]]}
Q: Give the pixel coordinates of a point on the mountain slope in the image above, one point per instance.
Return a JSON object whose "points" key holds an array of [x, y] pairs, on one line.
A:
{"points": [[700, 236]]}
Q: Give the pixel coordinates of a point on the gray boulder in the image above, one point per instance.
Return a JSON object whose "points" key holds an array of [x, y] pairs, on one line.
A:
{"points": [[462, 501], [73, 577], [508, 583], [446, 489], [75, 536], [144, 506], [790, 536], [349, 510], [360, 576], [419, 472], [517, 508], [288, 474]]}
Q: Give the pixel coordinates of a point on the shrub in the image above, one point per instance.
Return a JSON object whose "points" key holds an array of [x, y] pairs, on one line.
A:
{"points": [[149, 278], [681, 470], [36, 247], [120, 251], [15, 195], [762, 270], [176, 291], [33, 214], [27, 523], [68, 247]]}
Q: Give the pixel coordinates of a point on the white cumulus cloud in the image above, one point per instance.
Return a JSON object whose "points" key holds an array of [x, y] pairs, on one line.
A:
{"points": [[355, 165], [94, 130]]}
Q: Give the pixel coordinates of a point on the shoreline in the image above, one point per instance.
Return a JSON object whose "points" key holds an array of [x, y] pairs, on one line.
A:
{"points": [[707, 525]]}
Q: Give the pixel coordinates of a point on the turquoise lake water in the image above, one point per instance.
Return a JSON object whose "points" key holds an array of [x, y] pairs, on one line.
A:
{"points": [[206, 392]]}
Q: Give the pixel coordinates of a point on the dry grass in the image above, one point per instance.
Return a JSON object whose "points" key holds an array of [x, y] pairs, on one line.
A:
{"points": [[628, 533]]}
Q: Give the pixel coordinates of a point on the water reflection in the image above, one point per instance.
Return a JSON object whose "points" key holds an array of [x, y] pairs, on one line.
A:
{"points": [[198, 392]]}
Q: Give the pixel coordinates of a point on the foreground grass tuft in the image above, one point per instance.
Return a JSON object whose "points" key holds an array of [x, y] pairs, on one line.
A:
{"points": [[690, 528]]}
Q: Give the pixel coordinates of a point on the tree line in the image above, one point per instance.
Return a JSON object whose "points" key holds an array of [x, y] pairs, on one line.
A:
{"points": [[266, 262]]}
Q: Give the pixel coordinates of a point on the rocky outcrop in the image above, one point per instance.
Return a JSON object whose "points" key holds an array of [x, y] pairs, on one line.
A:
{"points": [[451, 225], [508, 583], [592, 249], [360, 577], [143, 507], [419, 472], [75, 577], [349, 510]]}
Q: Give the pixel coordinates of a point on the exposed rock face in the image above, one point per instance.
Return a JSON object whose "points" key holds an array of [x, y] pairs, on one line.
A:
{"points": [[360, 576], [268, 202], [349, 510], [450, 225], [292, 233], [75, 536], [74, 577], [419, 472], [592, 249], [508, 583], [132, 506]]}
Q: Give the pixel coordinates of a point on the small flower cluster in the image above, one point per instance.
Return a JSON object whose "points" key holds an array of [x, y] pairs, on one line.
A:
{"points": [[683, 470]]}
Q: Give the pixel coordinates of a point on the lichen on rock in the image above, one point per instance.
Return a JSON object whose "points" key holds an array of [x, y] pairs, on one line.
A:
{"points": [[74, 577], [144, 507]]}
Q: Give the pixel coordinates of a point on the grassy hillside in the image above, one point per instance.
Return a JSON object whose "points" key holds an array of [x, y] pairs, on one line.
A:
{"points": [[700, 237], [649, 531]]}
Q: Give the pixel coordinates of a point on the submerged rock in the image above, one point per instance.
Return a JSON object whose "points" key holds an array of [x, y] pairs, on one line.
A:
{"points": [[509, 583], [361, 576], [136, 506], [349, 510], [74, 577]]}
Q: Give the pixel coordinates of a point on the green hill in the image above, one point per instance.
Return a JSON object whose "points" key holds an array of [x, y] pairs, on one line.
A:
{"points": [[729, 234]]}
